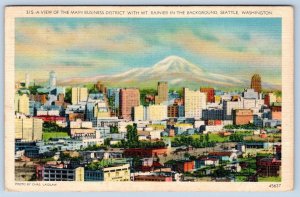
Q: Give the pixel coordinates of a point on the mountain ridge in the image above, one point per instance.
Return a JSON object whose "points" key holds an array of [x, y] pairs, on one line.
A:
{"points": [[176, 70]]}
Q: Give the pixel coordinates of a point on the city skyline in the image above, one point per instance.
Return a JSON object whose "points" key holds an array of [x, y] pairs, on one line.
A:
{"points": [[91, 47]]}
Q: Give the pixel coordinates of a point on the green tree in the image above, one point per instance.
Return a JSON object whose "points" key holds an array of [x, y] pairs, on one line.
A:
{"points": [[92, 90], [221, 172], [68, 95], [132, 133], [33, 89], [186, 155], [107, 141], [114, 129], [207, 137], [201, 138]]}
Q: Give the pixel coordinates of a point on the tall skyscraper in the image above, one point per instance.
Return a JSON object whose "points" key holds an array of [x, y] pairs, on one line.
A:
{"points": [[162, 92], [129, 98], [22, 104], [256, 83], [194, 102], [79, 94], [52, 79], [210, 94], [27, 80]]}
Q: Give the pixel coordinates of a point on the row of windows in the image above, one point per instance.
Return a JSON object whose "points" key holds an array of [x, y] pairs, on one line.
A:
{"points": [[53, 179], [59, 176], [116, 170]]}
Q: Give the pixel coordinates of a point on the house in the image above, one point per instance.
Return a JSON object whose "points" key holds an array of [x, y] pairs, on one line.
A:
{"points": [[268, 166], [181, 165], [205, 161], [223, 156]]}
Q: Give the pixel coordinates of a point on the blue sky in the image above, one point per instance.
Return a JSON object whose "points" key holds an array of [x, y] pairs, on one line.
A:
{"points": [[83, 47]]}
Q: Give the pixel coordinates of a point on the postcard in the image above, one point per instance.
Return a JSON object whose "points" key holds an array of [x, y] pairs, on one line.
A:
{"points": [[149, 98]]}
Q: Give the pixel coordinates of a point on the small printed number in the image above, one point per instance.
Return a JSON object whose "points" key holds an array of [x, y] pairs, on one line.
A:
{"points": [[275, 185]]}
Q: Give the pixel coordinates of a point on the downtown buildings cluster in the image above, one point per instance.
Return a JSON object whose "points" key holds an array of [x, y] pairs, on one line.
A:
{"points": [[100, 133]]}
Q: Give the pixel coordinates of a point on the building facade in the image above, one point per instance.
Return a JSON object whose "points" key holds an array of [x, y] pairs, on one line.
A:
{"points": [[22, 104], [212, 114], [52, 79], [162, 92], [129, 98], [62, 174], [157, 112], [194, 102], [210, 94], [256, 83], [79, 94], [29, 129], [139, 113], [242, 116], [173, 111], [117, 173]]}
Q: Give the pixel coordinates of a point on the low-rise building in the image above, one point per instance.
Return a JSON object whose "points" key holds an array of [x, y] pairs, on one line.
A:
{"points": [[117, 173], [223, 156], [52, 173], [93, 175], [181, 165], [242, 116], [268, 166], [205, 161]]}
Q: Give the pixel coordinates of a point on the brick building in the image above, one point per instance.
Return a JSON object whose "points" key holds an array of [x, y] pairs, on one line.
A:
{"points": [[210, 94], [144, 152], [156, 178], [173, 111], [268, 166], [181, 165], [242, 116], [129, 98]]}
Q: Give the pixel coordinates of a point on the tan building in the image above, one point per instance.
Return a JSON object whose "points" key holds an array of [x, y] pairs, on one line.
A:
{"points": [[79, 174], [242, 116], [28, 129], [152, 112], [81, 128], [157, 112], [117, 173], [194, 102], [139, 113], [22, 103], [79, 94], [162, 92]]}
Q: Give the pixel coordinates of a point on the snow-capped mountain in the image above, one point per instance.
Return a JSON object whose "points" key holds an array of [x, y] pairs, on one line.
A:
{"points": [[175, 70]]}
